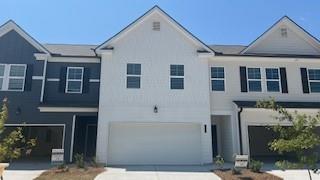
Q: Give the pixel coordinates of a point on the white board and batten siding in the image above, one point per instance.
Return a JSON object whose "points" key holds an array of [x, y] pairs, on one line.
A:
{"points": [[155, 51]]}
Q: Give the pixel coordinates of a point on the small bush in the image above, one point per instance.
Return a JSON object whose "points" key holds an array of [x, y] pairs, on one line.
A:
{"points": [[61, 166], [94, 162], [79, 160], [219, 161], [236, 171], [255, 166], [283, 165]]}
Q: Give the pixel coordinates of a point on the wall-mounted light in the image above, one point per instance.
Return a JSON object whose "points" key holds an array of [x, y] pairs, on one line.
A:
{"points": [[155, 109], [18, 111]]}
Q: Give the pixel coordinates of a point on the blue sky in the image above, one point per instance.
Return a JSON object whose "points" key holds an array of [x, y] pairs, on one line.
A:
{"points": [[213, 21]]}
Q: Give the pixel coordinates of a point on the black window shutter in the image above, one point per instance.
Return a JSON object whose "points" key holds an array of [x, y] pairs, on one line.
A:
{"points": [[86, 78], [243, 79], [284, 83], [304, 79], [62, 82], [28, 80]]}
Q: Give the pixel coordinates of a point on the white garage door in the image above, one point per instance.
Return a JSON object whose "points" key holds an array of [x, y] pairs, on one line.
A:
{"points": [[154, 143]]}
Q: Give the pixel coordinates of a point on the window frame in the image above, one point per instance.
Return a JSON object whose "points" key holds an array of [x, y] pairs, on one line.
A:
{"points": [[266, 80], [133, 75], [4, 78], [224, 79], [312, 80], [176, 76], [74, 80], [261, 79], [8, 77]]}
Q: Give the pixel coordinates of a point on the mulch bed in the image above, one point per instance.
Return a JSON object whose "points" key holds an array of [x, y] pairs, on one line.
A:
{"points": [[245, 175], [71, 173]]}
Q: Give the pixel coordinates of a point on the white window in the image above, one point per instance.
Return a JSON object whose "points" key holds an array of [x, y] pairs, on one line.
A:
{"points": [[254, 79], [12, 77], [133, 76], [2, 76], [314, 80], [177, 76], [273, 79], [217, 79], [16, 78], [74, 80]]}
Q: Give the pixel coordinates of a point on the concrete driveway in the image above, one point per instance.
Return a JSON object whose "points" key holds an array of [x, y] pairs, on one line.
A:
{"points": [[25, 170], [158, 173]]}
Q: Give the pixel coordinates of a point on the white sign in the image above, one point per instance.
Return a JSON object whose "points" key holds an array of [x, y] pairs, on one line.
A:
{"points": [[241, 161], [57, 156]]}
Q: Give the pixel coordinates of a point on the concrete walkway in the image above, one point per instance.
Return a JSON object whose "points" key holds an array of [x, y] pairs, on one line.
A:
{"points": [[25, 170], [158, 173], [294, 174]]}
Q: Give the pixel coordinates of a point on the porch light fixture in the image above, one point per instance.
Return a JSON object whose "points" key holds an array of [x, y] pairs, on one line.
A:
{"points": [[155, 109]]}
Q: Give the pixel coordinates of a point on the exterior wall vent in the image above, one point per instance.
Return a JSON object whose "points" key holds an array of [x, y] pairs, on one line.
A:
{"points": [[284, 32], [156, 26]]}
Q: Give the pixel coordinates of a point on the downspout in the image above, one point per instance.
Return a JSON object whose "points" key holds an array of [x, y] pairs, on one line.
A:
{"points": [[44, 73], [240, 132]]}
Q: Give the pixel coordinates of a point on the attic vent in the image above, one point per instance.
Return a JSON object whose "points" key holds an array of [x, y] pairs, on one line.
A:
{"points": [[284, 32], [156, 26]]}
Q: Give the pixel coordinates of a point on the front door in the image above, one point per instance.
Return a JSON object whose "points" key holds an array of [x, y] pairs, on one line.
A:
{"points": [[214, 140], [91, 136]]}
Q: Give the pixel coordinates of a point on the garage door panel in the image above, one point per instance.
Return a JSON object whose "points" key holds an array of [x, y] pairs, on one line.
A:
{"points": [[154, 143]]}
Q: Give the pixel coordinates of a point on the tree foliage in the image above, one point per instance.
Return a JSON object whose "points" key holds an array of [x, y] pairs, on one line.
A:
{"points": [[12, 144], [299, 137]]}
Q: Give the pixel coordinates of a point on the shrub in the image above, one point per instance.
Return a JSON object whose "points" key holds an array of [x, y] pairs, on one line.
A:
{"points": [[219, 161], [255, 166], [79, 160], [94, 162], [13, 144], [236, 171]]}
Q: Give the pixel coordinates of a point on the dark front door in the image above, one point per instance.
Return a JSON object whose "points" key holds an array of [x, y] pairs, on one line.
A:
{"points": [[214, 140], [91, 136], [85, 136]]}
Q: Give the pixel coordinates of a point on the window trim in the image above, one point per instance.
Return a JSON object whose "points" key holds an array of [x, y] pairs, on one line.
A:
{"points": [[175, 76], [261, 80], [266, 80], [309, 80], [74, 80], [133, 75], [6, 77], [224, 79]]}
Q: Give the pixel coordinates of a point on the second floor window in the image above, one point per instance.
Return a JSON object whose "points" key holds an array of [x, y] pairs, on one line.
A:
{"points": [[133, 75], [254, 80], [74, 80], [314, 80], [217, 79], [273, 80], [177, 76], [12, 77]]}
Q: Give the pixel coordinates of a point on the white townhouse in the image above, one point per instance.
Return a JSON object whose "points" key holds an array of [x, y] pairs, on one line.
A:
{"points": [[168, 98]]}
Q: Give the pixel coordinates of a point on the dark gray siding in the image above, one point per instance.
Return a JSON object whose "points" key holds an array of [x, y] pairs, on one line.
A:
{"points": [[14, 49], [54, 96]]}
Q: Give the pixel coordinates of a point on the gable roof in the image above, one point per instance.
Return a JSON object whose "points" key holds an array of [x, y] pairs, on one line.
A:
{"points": [[284, 20], [155, 9], [11, 25]]}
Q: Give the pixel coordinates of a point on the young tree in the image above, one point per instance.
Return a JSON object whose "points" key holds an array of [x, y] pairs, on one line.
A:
{"points": [[12, 144], [300, 138]]}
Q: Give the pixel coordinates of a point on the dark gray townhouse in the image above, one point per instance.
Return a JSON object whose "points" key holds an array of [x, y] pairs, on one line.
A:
{"points": [[55, 99]]}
